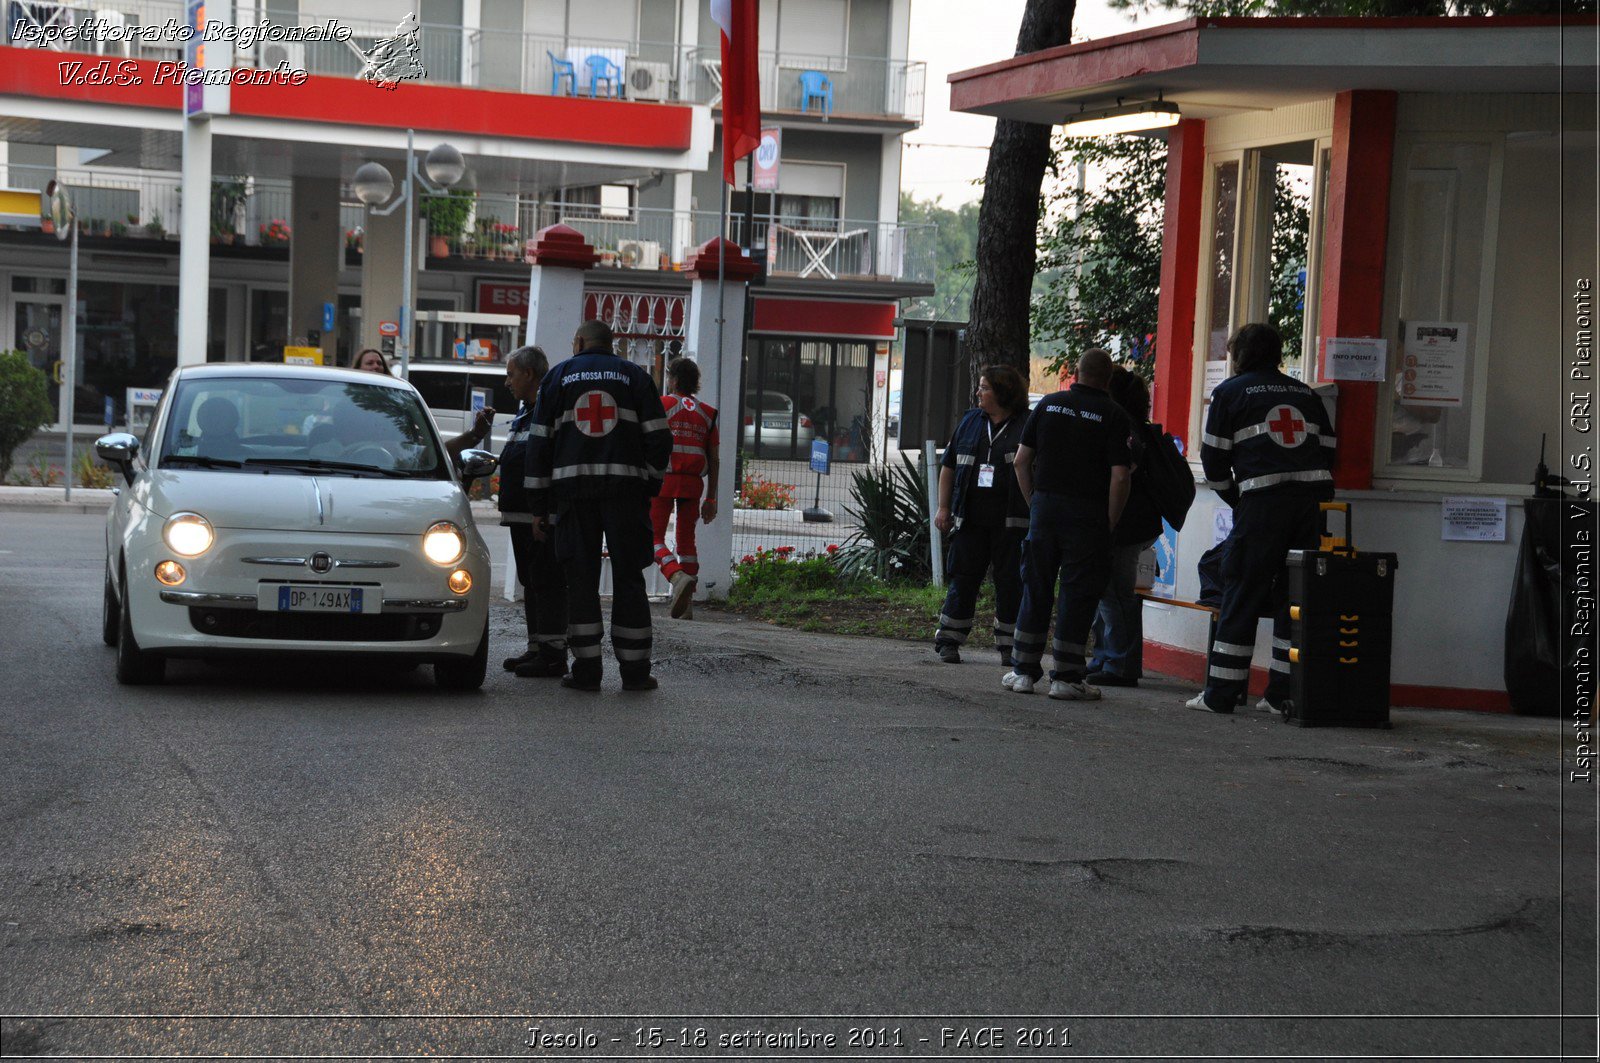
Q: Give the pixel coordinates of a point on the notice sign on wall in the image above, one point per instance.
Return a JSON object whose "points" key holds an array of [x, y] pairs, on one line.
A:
{"points": [[1433, 363], [1352, 359], [1473, 520]]}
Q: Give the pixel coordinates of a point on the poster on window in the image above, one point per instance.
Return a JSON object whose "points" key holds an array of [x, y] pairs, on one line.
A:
{"points": [[1433, 364], [1352, 359]]}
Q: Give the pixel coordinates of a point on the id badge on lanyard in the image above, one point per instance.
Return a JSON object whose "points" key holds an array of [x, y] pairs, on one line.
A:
{"points": [[985, 475]]}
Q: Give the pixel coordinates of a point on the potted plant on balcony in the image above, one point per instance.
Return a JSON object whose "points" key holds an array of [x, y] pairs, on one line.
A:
{"points": [[275, 233], [356, 240], [447, 216], [154, 227], [226, 199], [508, 241]]}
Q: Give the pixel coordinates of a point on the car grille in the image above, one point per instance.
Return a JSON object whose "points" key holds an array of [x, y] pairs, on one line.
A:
{"points": [[314, 627]]}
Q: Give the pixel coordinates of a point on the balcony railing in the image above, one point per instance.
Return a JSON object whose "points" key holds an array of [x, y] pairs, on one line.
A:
{"points": [[145, 205], [255, 212], [656, 239], [544, 64]]}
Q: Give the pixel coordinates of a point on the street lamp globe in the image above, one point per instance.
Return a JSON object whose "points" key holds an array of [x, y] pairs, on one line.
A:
{"points": [[444, 165], [373, 184]]}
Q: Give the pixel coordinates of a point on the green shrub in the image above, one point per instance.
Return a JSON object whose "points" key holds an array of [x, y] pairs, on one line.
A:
{"points": [[24, 405], [447, 214], [778, 571], [890, 505], [89, 471], [759, 493]]}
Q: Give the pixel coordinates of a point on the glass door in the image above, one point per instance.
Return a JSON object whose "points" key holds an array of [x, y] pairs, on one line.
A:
{"points": [[36, 330]]}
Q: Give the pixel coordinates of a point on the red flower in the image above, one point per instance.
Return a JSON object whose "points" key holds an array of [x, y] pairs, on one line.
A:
{"points": [[833, 548], [747, 560], [785, 550]]}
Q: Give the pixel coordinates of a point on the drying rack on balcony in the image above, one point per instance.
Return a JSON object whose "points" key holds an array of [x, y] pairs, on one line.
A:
{"points": [[818, 246]]}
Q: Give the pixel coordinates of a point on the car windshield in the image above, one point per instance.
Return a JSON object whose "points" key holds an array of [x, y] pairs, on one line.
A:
{"points": [[300, 424], [774, 402]]}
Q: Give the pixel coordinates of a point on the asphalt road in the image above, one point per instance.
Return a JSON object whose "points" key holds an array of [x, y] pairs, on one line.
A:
{"points": [[793, 831]]}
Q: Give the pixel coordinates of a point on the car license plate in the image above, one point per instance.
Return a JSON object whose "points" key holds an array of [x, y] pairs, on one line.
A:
{"points": [[320, 599]]}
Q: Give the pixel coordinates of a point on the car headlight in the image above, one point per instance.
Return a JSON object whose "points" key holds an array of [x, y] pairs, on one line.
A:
{"points": [[443, 543], [188, 534]]}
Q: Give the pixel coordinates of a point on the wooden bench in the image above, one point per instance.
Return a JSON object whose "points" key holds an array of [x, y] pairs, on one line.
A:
{"points": [[1180, 603]]}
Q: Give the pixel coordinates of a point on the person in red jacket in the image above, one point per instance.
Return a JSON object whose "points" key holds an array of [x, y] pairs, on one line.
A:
{"points": [[694, 459]]}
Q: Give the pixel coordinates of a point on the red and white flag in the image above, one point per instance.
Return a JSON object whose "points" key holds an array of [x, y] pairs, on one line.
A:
{"points": [[741, 80]]}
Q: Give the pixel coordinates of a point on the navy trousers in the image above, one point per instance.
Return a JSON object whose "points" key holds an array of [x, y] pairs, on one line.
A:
{"points": [[544, 593], [1070, 539], [1255, 584], [624, 524], [974, 550]]}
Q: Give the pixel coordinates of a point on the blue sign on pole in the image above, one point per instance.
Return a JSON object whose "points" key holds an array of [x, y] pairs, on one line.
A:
{"points": [[111, 411], [819, 456], [327, 317]]}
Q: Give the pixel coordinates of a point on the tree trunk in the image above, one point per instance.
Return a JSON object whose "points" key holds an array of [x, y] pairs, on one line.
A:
{"points": [[1008, 217]]}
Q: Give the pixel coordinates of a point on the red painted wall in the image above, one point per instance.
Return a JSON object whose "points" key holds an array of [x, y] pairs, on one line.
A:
{"points": [[1355, 249], [1180, 270]]}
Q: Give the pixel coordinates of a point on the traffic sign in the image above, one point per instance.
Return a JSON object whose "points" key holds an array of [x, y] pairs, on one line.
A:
{"points": [[388, 328]]}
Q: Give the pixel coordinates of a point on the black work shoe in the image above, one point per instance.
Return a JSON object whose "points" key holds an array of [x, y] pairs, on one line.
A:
{"points": [[1109, 679], [538, 669], [641, 682], [948, 654], [511, 664], [572, 682]]}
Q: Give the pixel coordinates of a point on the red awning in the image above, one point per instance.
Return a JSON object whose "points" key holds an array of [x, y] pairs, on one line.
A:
{"points": [[833, 318]]}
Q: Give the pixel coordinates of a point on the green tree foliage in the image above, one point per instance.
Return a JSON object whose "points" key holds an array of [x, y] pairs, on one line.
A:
{"points": [[24, 405], [1291, 232], [957, 245], [1102, 246]]}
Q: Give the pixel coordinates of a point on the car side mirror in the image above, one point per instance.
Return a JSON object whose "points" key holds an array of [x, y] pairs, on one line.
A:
{"points": [[476, 464], [118, 449]]}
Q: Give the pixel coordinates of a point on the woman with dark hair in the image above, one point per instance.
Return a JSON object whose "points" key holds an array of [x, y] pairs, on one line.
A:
{"points": [[1118, 628], [371, 360], [982, 508]]}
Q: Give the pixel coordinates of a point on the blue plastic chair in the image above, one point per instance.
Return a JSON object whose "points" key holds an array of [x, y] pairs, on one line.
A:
{"points": [[815, 85], [603, 69], [562, 68]]}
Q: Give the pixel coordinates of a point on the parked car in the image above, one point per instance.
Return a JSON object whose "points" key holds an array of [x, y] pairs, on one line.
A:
{"points": [[782, 426], [292, 510]]}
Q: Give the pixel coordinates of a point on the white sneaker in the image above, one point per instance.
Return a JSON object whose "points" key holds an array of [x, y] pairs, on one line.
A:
{"points": [[1062, 690], [1277, 710], [682, 592], [1017, 683], [1199, 702]]}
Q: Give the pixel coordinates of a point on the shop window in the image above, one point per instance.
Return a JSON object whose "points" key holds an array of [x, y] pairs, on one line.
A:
{"points": [[801, 390], [269, 324], [126, 340], [1218, 315]]}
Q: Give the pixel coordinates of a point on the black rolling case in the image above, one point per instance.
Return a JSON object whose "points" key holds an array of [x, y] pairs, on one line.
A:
{"points": [[1341, 608]]}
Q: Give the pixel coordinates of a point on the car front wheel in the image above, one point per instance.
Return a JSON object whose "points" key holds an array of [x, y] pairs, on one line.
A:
{"points": [[135, 667], [468, 673]]}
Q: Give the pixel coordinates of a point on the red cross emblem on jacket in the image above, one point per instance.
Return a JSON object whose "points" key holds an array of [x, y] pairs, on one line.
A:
{"points": [[595, 413], [1286, 427]]}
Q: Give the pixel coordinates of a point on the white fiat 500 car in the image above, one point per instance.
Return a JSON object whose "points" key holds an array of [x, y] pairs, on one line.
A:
{"points": [[293, 510]]}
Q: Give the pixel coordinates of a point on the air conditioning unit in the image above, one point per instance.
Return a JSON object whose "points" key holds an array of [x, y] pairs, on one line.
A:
{"points": [[639, 254], [271, 54], [648, 81]]}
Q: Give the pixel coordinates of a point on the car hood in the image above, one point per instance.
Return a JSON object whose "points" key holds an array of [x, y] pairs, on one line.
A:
{"points": [[290, 502]]}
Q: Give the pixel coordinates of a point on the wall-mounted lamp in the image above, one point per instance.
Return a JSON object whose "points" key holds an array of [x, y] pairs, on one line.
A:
{"points": [[1129, 118]]}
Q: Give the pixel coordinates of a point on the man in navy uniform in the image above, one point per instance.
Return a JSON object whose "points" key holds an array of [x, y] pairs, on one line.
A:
{"points": [[1072, 465], [602, 448], [1268, 452]]}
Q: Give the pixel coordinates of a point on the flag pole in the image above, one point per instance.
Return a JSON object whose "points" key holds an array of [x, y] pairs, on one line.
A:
{"points": [[722, 255]]}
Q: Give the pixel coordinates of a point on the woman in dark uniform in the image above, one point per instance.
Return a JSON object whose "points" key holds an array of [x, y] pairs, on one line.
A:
{"points": [[979, 503]]}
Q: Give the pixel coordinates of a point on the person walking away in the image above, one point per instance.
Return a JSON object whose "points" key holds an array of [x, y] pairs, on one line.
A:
{"points": [[694, 464], [1072, 466], [1268, 452], [982, 508], [1118, 629], [600, 448], [544, 588]]}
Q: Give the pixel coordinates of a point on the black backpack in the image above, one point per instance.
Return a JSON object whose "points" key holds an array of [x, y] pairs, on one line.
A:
{"points": [[1166, 475]]}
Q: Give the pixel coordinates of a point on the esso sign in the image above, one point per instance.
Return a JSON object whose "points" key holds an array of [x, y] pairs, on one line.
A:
{"points": [[500, 297]]}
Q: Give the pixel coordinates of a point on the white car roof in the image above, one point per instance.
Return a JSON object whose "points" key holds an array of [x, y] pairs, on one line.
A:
{"points": [[275, 369]]}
